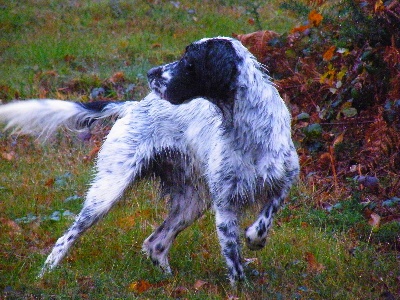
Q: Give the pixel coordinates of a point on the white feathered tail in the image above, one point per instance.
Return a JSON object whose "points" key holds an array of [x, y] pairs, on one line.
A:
{"points": [[41, 118]]}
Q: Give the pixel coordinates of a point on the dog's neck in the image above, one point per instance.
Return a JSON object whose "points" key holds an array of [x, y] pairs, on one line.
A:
{"points": [[254, 115]]}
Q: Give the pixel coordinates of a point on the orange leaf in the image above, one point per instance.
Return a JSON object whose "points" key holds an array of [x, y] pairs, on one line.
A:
{"points": [[315, 18], [379, 6], [139, 286], [49, 182], [313, 265], [8, 155], [127, 222], [300, 28], [117, 77], [329, 53], [251, 21], [338, 139]]}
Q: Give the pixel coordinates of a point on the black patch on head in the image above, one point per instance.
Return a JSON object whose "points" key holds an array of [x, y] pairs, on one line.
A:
{"points": [[208, 69]]}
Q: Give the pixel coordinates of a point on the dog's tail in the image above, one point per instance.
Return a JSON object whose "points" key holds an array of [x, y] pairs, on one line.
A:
{"points": [[41, 118]]}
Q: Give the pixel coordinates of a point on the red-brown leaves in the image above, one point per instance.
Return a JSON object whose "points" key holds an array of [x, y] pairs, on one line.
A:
{"points": [[313, 265], [139, 286], [257, 42], [327, 56]]}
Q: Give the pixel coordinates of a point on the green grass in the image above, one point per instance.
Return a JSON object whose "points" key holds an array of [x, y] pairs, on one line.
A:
{"points": [[63, 49]]}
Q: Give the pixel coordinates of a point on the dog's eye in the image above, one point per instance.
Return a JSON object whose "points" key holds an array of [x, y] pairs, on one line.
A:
{"points": [[189, 66]]}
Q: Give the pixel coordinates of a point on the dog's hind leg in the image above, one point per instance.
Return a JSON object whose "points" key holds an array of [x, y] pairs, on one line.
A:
{"points": [[186, 207], [119, 163], [102, 195]]}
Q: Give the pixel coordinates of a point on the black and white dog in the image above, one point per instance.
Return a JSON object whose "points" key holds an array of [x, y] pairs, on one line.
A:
{"points": [[214, 130]]}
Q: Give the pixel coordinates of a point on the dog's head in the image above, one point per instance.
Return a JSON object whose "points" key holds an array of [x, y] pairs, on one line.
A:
{"points": [[209, 68]]}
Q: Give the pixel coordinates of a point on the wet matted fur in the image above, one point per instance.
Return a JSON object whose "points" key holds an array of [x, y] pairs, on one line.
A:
{"points": [[214, 130]]}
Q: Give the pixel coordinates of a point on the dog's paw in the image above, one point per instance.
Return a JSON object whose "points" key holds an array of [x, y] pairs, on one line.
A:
{"points": [[157, 255], [253, 240]]}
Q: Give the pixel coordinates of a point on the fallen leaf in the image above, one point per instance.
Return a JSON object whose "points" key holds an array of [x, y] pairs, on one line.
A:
{"points": [[139, 286], [251, 21], [8, 155], [315, 18], [329, 53], [199, 284], [374, 220], [126, 222], [92, 154], [338, 139], [49, 182], [117, 77], [313, 265], [12, 225], [179, 291], [300, 28]]}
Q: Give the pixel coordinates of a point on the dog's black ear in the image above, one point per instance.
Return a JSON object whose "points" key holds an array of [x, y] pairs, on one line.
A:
{"points": [[221, 69]]}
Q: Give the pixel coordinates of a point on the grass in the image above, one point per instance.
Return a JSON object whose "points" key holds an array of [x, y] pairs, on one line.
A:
{"points": [[64, 49]]}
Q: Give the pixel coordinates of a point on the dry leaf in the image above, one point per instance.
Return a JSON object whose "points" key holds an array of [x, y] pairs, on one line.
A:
{"points": [[199, 284], [179, 291], [338, 139], [126, 222], [374, 220], [92, 154], [8, 155], [315, 18], [300, 28], [117, 77], [12, 225], [329, 53], [49, 182], [139, 286], [313, 265]]}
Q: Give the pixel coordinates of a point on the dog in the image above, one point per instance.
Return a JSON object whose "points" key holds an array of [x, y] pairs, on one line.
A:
{"points": [[213, 129]]}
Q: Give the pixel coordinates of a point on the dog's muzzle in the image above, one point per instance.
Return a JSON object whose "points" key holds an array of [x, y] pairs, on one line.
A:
{"points": [[154, 73]]}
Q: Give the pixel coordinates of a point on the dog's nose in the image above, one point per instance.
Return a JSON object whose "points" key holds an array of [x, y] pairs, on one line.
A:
{"points": [[153, 73]]}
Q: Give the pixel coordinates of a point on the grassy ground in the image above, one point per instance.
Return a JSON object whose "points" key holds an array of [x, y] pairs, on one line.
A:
{"points": [[64, 49]]}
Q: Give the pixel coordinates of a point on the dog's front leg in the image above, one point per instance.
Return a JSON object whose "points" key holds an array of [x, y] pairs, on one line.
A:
{"points": [[228, 234]]}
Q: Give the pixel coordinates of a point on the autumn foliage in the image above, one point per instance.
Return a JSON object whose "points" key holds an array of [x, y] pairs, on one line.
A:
{"points": [[339, 71]]}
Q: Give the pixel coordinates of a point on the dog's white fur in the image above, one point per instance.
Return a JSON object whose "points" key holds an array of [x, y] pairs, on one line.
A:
{"points": [[206, 152]]}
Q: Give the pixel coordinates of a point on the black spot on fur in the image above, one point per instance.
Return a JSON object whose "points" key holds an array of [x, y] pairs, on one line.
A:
{"points": [[159, 248], [261, 228]]}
